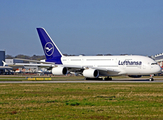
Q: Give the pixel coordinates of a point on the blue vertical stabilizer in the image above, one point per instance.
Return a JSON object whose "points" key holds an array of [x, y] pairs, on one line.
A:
{"points": [[51, 51]]}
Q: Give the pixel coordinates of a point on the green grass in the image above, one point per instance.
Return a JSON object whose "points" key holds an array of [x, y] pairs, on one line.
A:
{"points": [[81, 101]]}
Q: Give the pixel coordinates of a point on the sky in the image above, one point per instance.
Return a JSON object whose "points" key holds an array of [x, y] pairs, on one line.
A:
{"points": [[87, 27]]}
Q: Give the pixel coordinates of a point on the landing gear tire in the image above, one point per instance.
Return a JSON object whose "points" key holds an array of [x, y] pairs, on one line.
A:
{"points": [[151, 79], [93, 78], [108, 78]]}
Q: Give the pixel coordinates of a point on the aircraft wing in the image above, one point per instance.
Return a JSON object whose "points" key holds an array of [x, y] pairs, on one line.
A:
{"points": [[28, 64], [17, 65], [35, 61], [103, 71]]}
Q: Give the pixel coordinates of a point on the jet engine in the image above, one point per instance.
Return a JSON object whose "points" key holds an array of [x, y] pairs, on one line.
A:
{"points": [[135, 76], [91, 73], [59, 71]]}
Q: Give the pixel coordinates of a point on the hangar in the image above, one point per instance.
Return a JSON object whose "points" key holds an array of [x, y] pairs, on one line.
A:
{"points": [[159, 59]]}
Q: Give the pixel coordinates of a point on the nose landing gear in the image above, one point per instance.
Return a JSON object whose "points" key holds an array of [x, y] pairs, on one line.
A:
{"points": [[151, 78]]}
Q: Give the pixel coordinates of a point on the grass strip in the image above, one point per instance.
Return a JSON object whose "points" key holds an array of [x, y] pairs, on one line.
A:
{"points": [[81, 101]]}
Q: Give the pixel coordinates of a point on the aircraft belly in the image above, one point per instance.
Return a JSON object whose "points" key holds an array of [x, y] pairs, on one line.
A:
{"points": [[133, 70]]}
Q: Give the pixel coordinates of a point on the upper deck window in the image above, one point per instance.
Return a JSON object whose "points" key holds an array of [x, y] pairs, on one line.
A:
{"points": [[98, 59]]}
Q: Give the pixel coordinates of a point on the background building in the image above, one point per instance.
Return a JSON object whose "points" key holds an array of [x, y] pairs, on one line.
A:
{"points": [[4, 69], [159, 59], [2, 57]]}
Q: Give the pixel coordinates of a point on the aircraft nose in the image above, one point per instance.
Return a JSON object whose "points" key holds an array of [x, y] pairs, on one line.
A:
{"points": [[157, 69]]}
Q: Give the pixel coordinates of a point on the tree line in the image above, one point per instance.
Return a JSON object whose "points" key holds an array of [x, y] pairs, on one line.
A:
{"points": [[34, 57], [40, 57]]}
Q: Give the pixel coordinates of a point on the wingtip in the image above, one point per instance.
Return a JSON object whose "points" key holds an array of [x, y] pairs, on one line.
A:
{"points": [[40, 28]]}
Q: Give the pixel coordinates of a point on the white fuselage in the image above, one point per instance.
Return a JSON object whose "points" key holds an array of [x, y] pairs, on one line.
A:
{"points": [[95, 66], [115, 65]]}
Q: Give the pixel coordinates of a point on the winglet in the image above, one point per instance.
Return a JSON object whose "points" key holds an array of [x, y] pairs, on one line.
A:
{"points": [[4, 63], [51, 51]]}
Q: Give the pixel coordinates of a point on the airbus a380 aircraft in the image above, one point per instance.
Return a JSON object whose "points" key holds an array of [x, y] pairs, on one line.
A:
{"points": [[96, 66]]}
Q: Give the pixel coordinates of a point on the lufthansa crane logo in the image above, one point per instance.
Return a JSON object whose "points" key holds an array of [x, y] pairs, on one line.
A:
{"points": [[49, 48]]}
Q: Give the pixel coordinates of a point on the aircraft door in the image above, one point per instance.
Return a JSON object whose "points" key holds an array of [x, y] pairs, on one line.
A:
{"points": [[144, 67]]}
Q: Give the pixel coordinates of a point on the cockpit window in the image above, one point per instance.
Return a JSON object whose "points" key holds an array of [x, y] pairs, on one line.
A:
{"points": [[153, 63]]}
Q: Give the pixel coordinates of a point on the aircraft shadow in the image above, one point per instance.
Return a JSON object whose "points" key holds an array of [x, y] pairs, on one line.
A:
{"points": [[132, 80]]}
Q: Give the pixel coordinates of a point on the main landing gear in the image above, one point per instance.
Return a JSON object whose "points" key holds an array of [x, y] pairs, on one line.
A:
{"points": [[107, 78], [86, 78], [151, 78]]}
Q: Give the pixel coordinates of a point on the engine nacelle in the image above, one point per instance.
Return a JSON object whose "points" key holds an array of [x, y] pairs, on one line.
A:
{"points": [[59, 71], [91, 73], [135, 76]]}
